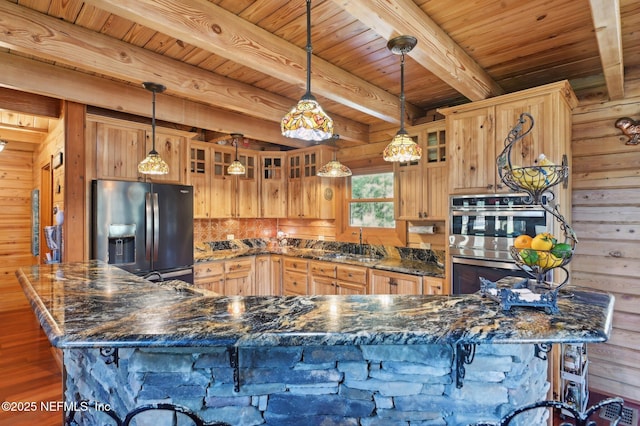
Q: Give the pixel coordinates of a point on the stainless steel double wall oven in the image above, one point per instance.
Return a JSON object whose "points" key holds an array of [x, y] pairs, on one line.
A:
{"points": [[482, 228]]}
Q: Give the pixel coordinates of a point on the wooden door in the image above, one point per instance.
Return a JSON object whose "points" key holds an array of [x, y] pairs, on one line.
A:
{"points": [[273, 185], [170, 147], [222, 184], [436, 192], [200, 178], [322, 285], [245, 195], [276, 275], [119, 149], [294, 186], [409, 192], [384, 282], [472, 158], [262, 282]]}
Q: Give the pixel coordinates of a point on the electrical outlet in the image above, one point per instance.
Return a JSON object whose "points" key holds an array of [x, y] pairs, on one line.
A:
{"points": [[425, 245], [320, 237], [231, 237]]}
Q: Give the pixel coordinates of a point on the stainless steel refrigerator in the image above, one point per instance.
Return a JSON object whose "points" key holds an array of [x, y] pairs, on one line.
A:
{"points": [[144, 228]]}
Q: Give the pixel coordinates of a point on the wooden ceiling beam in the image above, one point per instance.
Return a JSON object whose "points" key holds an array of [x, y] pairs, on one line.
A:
{"points": [[46, 79], [29, 103], [33, 33], [606, 21], [435, 51], [214, 29], [21, 135]]}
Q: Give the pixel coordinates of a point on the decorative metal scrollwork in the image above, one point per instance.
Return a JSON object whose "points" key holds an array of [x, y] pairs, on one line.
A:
{"points": [[581, 418], [464, 354], [110, 355], [234, 360], [70, 419], [541, 350]]}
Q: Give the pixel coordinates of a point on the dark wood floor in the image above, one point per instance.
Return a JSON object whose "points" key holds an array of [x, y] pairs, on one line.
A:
{"points": [[29, 372]]}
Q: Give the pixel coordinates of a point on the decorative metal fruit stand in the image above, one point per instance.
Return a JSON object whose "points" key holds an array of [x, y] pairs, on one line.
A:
{"points": [[536, 181]]}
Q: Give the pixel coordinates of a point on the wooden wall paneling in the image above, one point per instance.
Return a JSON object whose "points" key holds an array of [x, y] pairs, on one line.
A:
{"points": [[606, 207]]}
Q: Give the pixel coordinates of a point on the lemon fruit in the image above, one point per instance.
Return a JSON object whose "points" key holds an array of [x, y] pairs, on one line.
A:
{"points": [[544, 241], [548, 260], [522, 241]]}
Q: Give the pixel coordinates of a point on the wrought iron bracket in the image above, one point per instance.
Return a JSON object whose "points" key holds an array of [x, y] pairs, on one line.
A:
{"points": [[464, 354], [110, 355], [541, 350], [234, 360]]}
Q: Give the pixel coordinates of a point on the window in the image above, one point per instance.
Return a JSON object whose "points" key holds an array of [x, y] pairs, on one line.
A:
{"points": [[371, 201]]}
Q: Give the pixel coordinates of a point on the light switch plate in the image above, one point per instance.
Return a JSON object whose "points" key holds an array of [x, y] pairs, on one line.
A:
{"points": [[230, 237]]}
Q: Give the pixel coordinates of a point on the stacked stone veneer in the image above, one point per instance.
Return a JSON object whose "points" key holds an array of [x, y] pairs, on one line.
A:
{"points": [[327, 385]]}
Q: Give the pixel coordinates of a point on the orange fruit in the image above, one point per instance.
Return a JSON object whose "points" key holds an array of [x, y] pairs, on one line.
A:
{"points": [[522, 241]]}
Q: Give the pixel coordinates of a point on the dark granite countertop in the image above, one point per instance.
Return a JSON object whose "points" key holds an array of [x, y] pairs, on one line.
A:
{"points": [[97, 305], [393, 264]]}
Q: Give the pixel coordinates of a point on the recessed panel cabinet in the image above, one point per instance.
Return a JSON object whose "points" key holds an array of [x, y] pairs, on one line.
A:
{"points": [[387, 282], [422, 188], [273, 184], [310, 196], [476, 133], [120, 145], [217, 194]]}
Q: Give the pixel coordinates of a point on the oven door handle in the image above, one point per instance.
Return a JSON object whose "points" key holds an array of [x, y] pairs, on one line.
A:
{"points": [[486, 263]]}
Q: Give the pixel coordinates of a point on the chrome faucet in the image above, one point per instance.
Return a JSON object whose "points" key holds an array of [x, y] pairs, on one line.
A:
{"points": [[360, 245]]}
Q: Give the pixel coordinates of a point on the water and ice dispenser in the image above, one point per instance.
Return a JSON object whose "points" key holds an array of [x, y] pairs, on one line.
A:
{"points": [[122, 243]]}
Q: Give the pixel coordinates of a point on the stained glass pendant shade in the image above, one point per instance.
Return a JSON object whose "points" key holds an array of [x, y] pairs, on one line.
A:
{"points": [[236, 167], [334, 168], [307, 120], [402, 147], [153, 164]]}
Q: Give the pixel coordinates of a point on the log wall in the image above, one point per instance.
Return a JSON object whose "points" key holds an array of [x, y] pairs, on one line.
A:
{"points": [[606, 218]]}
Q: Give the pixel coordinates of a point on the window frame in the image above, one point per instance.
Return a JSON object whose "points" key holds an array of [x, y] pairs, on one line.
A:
{"points": [[370, 235]]}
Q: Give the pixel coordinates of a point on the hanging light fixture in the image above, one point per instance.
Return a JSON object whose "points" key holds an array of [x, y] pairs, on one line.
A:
{"points": [[153, 164], [334, 168], [3, 143], [307, 120], [402, 147], [236, 167]]}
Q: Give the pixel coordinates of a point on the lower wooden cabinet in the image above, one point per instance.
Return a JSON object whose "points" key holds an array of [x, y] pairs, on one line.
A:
{"points": [[263, 284], [386, 282], [209, 276], [432, 285], [295, 276], [226, 277], [276, 274], [352, 280]]}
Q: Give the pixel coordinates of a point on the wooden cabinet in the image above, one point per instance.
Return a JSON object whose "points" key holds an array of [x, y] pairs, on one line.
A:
{"points": [[422, 189], [294, 276], [351, 279], [387, 282], [276, 275], [218, 194], [310, 196], [120, 145], [239, 277], [226, 277], [209, 276], [322, 277], [433, 285], [476, 133], [273, 184], [263, 284]]}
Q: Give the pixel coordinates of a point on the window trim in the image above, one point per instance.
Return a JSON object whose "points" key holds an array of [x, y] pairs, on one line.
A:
{"points": [[375, 236]]}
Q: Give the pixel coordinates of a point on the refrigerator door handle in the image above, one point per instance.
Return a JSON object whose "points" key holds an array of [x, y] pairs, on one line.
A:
{"points": [[156, 226], [148, 225]]}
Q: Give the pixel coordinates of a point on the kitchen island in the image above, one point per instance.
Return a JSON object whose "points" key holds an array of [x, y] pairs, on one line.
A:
{"points": [[133, 348]]}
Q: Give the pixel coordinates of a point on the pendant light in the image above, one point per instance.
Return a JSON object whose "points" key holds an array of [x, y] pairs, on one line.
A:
{"points": [[153, 164], [236, 167], [307, 120], [402, 147], [334, 168]]}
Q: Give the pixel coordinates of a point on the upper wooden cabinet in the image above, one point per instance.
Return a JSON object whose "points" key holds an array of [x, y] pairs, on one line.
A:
{"points": [[120, 145], [310, 196], [476, 133], [273, 184], [218, 194], [422, 188]]}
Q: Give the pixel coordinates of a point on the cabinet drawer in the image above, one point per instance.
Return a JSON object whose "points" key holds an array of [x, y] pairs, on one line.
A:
{"points": [[242, 265], [294, 283], [322, 269], [352, 274], [208, 269], [293, 264]]}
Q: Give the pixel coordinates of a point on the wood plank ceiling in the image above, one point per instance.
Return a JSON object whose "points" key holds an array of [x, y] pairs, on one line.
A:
{"points": [[239, 65]]}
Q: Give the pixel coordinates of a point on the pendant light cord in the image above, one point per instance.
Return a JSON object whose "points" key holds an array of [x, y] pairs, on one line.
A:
{"points": [[153, 122], [402, 112], [308, 94]]}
